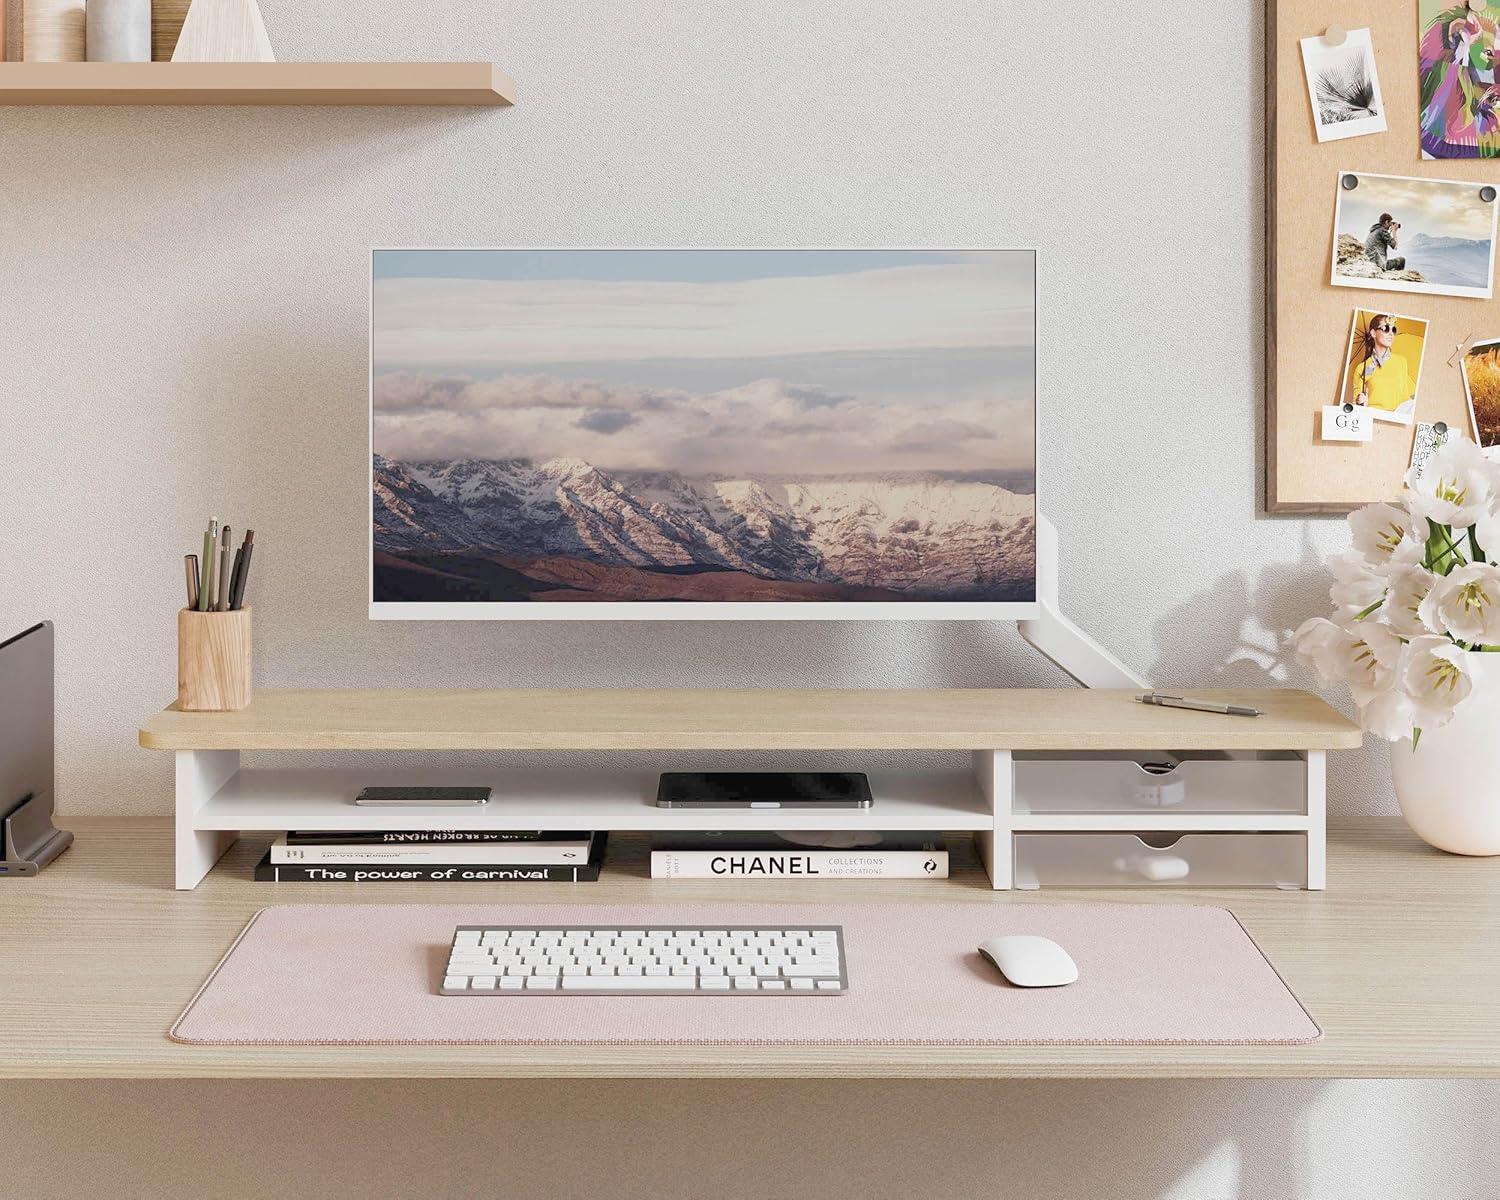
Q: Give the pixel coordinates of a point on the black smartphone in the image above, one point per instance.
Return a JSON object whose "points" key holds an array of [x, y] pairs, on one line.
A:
{"points": [[422, 797], [763, 789]]}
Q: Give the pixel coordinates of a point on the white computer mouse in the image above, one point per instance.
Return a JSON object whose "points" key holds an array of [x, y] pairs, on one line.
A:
{"points": [[1030, 961]]}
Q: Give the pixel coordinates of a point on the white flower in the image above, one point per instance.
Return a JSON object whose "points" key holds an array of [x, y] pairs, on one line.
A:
{"points": [[1466, 604], [1487, 533], [1437, 679], [1390, 715], [1382, 532], [1403, 611], [1363, 654], [1454, 487], [1358, 585]]}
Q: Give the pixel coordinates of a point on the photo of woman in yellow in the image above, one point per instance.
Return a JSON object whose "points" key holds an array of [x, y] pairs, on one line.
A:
{"points": [[1384, 364]]}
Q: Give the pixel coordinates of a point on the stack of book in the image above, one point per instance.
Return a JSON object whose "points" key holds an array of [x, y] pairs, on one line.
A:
{"points": [[835, 854], [431, 856]]}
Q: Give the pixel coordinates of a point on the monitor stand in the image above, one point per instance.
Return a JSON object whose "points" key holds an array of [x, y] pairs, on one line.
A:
{"points": [[1058, 638]]}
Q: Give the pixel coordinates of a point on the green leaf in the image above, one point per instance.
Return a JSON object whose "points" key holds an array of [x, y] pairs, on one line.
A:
{"points": [[1416, 736]]}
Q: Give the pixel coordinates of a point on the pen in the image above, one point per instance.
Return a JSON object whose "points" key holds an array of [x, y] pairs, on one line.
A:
{"points": [[242, 571], [223, 581], [206, 585], [190, 565], [1233, 710]]}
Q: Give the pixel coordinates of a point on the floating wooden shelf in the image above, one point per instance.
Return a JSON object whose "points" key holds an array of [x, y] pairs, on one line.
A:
{"points": [[256, 83]]}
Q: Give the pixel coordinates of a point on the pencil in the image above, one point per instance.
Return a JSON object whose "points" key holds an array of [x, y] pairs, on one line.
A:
{"points": [[242, 571], [190, 565], [206, 584], [223, 580]]}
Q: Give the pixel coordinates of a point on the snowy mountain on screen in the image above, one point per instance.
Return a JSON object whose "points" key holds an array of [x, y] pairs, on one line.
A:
{"points": [[921, 533]]}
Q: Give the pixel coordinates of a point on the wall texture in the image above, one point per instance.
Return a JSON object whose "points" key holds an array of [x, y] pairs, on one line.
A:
{"points": [[183, 302], [185, 299]]}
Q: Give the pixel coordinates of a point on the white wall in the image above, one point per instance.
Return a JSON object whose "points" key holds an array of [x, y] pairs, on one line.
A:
{"points": [[184, 308], [183, 305]]}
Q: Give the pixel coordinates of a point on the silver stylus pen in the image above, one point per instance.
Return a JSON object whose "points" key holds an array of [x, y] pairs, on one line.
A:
{"points": [[1233, 710]]}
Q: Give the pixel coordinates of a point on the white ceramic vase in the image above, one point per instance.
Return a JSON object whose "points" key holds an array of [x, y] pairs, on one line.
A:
{"points": [[1449, 786]]}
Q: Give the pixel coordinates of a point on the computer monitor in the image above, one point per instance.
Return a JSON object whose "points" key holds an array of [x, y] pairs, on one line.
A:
{"points": [[703, 433]]}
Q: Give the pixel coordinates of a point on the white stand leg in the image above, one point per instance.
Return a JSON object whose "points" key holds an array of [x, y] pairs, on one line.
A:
{"points": [[200, 773], [993, 771], [1058, 638], [1317, 820]]}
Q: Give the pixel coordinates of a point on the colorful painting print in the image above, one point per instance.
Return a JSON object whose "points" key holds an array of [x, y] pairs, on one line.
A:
{"points": [[1343, 86], [1393, 233], [670, 432], [1384, 365], [1481, 363], [1460, 102]]}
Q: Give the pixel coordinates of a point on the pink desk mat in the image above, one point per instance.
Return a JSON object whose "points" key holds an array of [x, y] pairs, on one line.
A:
{"points": [[327, 974]]}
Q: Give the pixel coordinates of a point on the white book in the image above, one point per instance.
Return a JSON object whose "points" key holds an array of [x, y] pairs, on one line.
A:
{"points": [[769, 856], [527, 853]]}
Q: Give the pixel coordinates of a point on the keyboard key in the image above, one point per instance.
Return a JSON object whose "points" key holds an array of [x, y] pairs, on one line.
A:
{"points": [[485, 983], [636, 983], [512, 983], [773, 985], [542, 983], [715, 984], [802, 985], [455, 983], [745, 983], [828, 985]]}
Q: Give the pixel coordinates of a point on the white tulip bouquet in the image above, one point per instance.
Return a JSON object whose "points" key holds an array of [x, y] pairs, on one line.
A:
{"points": [[1419, 595]]}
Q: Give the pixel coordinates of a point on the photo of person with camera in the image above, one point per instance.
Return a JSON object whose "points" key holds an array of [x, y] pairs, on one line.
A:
{"points": [[1381, 241], [1397, 234], [1384, 364]]}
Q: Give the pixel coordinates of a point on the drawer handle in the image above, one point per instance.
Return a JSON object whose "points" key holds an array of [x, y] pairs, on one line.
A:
{"points": [[1158, 868]]}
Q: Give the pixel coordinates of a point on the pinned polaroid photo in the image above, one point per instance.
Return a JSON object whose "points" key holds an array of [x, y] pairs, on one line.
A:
{"points": [[1429, 437], [1456, 59], [1384, 365], [1347, 423], [1393, 233], [1342, 85], [1481, 371]]}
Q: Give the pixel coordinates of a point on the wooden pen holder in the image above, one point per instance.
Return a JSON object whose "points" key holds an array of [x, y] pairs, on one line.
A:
{"points": [[213, 660]]}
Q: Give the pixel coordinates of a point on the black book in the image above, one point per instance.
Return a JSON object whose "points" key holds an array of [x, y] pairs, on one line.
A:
{"points": [[268, 872], [397, 837]]}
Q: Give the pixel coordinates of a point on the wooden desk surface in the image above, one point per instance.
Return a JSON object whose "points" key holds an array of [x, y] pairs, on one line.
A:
{"points": [[727, 719], [1396, 961]]}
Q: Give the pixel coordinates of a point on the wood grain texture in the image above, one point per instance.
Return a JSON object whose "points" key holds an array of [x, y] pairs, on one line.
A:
{"points": [[167, 17], [480, 84], [1395, 962], [223, 31], [213, 660], [53, 31], [948, 719], [1307, 318]]}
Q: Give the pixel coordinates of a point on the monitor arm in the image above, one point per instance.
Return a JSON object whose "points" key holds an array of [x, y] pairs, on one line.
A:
{"points": [[1058, 638]]}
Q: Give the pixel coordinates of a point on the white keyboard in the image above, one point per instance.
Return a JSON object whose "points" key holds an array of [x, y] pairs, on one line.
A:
{"points": [[670, 960]]}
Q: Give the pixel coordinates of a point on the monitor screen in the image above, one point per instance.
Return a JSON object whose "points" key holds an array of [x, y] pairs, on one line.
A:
{"points": [[703, 433]]}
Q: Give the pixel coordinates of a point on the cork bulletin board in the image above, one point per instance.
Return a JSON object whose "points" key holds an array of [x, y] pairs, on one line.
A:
{"points": [[1307, 318]]}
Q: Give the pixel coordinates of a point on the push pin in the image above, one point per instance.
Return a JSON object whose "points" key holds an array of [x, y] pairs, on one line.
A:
{"points": [[1337, 35], [1441, 428]]}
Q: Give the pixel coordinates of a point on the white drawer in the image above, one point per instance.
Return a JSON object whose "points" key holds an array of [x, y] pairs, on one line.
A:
{"points": [[1160, 860], [1208, 781]]}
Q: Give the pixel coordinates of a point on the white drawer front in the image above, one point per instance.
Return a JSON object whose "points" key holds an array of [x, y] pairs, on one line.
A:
{"points": [[1264, 781], [1160, 860]]}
